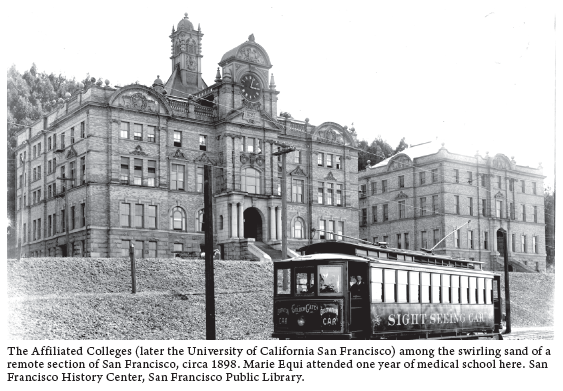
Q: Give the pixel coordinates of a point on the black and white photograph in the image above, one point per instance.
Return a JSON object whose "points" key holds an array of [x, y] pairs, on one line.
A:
{"points": [[323, 180]]}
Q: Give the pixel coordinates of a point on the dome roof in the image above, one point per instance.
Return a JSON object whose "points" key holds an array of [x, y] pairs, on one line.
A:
{"points": [[248, 51], [185, 23], [158, 81]]}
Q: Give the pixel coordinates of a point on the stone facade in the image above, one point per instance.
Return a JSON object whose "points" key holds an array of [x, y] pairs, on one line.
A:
{"points": [[426, 192], [136, 155]]}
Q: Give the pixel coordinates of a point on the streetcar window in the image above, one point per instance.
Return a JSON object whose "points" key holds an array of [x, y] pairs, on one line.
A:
{"points": [[374, 254], [414, 281], [463, 289], [446, 288], [305, 280], [472, 291], [425, 287], [488, 291], [376, 285], [389, 293], [402, 286], [330, 279], [435, 298], [455, 289], [282, 282], [480, 290]]}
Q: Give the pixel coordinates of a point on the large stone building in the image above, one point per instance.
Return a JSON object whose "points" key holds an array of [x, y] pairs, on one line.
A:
{"points": [[136, 155], [415, 198]]}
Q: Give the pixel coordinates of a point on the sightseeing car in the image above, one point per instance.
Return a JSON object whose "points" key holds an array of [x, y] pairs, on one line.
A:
{"points": [[344, 290]]}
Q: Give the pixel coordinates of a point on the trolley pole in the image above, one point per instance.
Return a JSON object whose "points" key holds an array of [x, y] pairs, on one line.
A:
{"points": [[284, 151], [209, 272], [506, 283]]}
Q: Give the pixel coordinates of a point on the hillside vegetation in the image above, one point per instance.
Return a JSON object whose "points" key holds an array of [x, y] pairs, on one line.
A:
{"points": [[85, 298]]}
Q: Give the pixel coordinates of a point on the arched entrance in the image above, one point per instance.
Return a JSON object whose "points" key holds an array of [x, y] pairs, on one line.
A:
{"points": [[252, 224]]}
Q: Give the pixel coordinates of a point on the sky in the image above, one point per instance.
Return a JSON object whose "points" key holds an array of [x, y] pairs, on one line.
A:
{"points": [[478, 76]]}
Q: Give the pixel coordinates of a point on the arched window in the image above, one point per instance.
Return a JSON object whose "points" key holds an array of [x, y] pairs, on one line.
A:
{"points": [[251, 181], [200, 220], [178, 219], [221, 222], [298, 228]]}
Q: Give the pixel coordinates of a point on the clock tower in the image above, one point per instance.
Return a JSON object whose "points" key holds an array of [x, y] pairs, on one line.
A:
{"points": [[186, 60]]}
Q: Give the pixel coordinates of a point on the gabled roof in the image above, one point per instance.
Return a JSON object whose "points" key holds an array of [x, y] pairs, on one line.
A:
{"points": [[175, 87]]}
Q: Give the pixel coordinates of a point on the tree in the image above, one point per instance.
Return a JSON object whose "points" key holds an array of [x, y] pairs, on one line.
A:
{"points": [[549, 210], [377, 151]]}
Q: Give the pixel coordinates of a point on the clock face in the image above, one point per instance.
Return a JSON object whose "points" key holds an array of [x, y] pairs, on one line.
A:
{"points": [[250, 87]]}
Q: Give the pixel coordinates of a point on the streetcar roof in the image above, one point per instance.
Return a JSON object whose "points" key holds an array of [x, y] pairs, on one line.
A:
{"points": [[324, 257]]}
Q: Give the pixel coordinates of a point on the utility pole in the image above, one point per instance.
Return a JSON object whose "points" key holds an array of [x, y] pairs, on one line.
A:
{"points": [[506, 282], [209, 271], [286, 148]]}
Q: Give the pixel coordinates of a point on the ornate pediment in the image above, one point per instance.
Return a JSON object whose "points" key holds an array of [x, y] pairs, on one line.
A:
{"points": [[298, 172], [71, 153], [252, 158], [330, 135], [178, 155], [251, 54], [399, 163], [138, 101], [501, 162], [499, 195], [138, 151], [330, 177], [203, 158], [402, 195]]}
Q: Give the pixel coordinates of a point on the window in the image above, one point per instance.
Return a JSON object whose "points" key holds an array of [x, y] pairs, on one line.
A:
{"points": [[250, 181], [402, 211], [457, 238], [297, 157], [340, 229], [139, 246], [413, 287], [486, 241], [498, 212], [138, 171], [364, 218], [330, 193], [399, 240], [72, 217], [384, 186], [151, 216], [202, 142], [124, 130], [513, 242], [373, 187], [177, 177], [72, 135], [178, 219], [49, 225], [138, 132], [139, 215], [63, 220], [338, 195], [249, 141], [298, 228], [39, 229], [330, 229], [304, 280], [435, 175], [363, 189], [523, 243], [423, 206], [523, 185], [200, 220], [534, 244], [511, 184], [484, 207], [374, 213], [436, 234], [470, 205], [83, 170], [320, 159], [322, 229], [423, 239], [456, 199], [199, 178], [422, 177], [39, 149], [63, 176], [523, 212], [297, 192], [124, 177], [483, 181], [34, 152], [470, 239], [454, 289], [456, 176], [469, 177], [151, 130], [463, 289], [152, 250], [83, 215], [151, 173], [533, 183], [389, 286], [82, 130], [499, 181], [535, 214], [177, 138], [385, 212], [320, 193], [125, 244], [125, 220], [401, 181], [34, 173], [425, 287], [24, 232], [472, 290], [488, 291], [338, 160], [329, 160], [178, 247], [49, 145], [435, 288]]}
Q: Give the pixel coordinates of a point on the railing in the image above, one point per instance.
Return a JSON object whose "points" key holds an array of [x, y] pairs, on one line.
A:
{"points": [[179, 107], [203, 111], [202, 93], [297, 127]]}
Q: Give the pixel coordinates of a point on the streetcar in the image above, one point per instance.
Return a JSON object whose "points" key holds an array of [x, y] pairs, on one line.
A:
{"points": [[344, 290]]}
